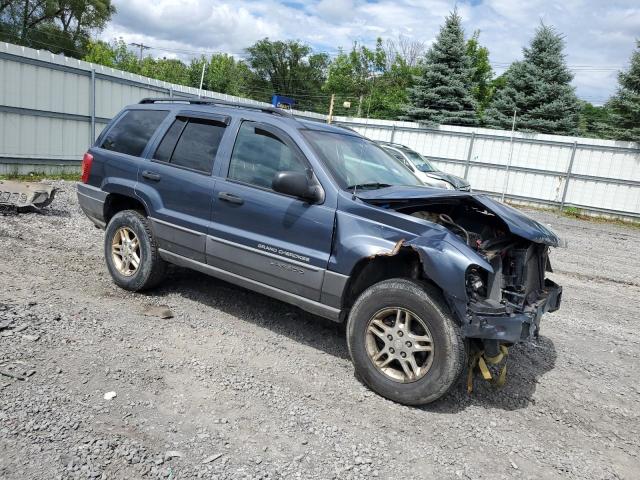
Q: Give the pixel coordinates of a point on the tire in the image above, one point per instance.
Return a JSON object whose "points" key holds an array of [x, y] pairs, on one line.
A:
{"points": [[429, 317], [150, 268]]}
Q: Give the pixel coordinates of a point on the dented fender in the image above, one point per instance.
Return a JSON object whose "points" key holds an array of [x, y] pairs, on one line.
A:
{"points": [[446, 264], [444, 257]]}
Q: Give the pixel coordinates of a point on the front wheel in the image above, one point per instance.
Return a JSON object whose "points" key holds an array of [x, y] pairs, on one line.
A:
{"points": [[131, 252], [404, 343]]}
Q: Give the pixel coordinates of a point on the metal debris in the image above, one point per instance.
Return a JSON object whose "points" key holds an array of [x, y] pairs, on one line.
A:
{"points": [[25, 196], [481, 362]]}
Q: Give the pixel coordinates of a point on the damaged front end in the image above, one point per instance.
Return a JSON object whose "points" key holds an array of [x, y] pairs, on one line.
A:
{"points": [[490, 260], [505, 291], [24, 196]]}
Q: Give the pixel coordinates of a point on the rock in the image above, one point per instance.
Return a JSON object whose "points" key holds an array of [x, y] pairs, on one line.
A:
{"points": [[5, 324], [110, 395], [31, 338], [161, 311], [20, 328]]}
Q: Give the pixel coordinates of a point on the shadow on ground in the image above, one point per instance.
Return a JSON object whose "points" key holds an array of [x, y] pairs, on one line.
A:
{"points": [[527, 363]]}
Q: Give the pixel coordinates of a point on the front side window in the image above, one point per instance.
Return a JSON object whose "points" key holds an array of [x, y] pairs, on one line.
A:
{"points": [[419, 161], [259, 154], [191, 143], [358, 162], [395, 154], [132, 131]]}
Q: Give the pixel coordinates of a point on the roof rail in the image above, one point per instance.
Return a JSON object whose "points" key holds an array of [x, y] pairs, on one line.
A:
{"points": [[213, 101]]}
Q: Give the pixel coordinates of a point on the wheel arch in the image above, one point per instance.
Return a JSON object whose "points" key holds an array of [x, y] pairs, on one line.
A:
{"points": [[117, 202], [401, 262]]}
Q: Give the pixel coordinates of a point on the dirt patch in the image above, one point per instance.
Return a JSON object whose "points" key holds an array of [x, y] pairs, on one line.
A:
{"points": [[237, 385]]}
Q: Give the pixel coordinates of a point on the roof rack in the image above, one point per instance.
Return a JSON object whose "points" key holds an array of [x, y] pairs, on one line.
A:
{"points": [[213, 101]]}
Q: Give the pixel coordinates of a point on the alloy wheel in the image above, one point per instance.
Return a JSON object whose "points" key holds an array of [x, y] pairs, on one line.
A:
{"points": [[399, 344], [125, 251]]}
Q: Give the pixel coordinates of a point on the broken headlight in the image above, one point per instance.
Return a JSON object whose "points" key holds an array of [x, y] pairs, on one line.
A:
{"points": [[476, 283]]}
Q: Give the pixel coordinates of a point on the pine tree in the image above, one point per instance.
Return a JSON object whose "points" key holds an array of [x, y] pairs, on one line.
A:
{"points": [[624, 106], [442, 93], [539, 89]]}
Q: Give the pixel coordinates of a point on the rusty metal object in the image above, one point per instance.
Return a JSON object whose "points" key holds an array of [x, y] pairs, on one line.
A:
{"points": [[25, 195]]}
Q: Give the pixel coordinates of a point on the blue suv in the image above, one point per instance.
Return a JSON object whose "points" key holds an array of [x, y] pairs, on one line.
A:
{"points": [[322, 218]]}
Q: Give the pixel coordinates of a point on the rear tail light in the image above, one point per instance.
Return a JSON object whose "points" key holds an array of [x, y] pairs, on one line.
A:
{"points": [[87, 160]]}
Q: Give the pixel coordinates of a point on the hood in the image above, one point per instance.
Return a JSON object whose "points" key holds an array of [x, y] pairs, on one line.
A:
{"points": [[457, 182], [517, 222]]}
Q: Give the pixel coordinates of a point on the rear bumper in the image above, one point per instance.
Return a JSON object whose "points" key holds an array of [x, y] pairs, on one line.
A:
{"points": [[91, 200], [512, 327]]}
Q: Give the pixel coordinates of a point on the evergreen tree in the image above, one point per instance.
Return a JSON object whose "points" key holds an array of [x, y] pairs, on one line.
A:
{"points": [[539, 89], [442, 94], [624, 106]]}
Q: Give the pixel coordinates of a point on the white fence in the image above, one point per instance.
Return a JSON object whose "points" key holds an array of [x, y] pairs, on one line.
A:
{"points": [[600, 176], [52, 107]]}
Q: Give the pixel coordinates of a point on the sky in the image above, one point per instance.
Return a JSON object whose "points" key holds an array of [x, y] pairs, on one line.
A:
{"points": [[600, 35]]}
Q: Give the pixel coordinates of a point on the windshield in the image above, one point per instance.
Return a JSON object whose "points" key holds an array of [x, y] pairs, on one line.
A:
{"points": [[358, 162], [419, 161]]}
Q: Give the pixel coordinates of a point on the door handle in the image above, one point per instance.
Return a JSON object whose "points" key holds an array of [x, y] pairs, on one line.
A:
{"points": [[231, 198], [151, 175]]}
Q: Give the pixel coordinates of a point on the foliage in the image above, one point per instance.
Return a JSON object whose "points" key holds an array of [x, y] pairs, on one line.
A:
{"points": [[594, 121], [624, 123], [374, 81], [60, 26], [287, 68], [481, 80], [442, 92], [539, 89], [226, 75]]}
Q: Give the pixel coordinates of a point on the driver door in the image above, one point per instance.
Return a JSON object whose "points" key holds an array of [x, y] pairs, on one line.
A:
{"points": [[257, 233]]}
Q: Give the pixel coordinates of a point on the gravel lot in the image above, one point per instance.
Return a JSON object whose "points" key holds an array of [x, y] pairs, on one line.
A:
{"points": [[237, 385]]}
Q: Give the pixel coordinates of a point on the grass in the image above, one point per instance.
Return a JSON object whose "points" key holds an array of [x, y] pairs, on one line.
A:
{"points": [[574, 212], [37, 176]]}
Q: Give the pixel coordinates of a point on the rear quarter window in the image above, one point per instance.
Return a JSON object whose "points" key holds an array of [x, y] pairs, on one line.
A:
{"points": [[132, 131]]}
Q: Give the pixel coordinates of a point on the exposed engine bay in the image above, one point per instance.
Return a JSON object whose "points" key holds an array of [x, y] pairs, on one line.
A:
{"points": [[517, 284]]}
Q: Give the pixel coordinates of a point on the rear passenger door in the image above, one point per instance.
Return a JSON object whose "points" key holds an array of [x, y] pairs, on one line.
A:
{"points": [[263, 235], [177, 185]]}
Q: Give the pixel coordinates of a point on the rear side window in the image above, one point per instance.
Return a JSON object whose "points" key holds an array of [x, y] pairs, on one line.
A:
{"points": [[191, 143], [132, 131]]}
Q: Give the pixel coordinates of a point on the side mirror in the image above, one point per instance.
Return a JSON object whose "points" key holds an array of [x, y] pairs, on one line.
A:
{"points": [[297, 184]]}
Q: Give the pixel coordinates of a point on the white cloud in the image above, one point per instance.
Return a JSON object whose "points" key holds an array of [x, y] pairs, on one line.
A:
{"points": [[597, 33]]}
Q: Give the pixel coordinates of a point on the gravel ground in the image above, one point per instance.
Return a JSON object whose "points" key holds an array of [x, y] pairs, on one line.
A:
{"points": [[237, 385]]}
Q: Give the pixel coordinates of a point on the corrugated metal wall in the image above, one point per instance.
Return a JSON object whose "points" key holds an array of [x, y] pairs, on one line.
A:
{"points": [[48, 104], [600, 176]]}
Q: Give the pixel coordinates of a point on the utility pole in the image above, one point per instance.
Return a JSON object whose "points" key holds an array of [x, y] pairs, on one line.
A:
{"points": [[359, 115], [506, 174], [204, 64], [142, 48], [333, 99]]}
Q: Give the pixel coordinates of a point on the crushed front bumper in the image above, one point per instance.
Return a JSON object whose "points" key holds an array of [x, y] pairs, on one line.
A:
{"points": [[495, 322]]}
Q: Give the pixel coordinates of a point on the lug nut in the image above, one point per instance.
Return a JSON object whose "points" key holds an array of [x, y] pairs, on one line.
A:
{"points": [[400, 334], [390, 337], [391, 350], [403, 355], [408, 344]]}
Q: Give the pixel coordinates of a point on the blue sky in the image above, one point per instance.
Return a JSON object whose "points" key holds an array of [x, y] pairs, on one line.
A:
{"points": [[600, 36]]}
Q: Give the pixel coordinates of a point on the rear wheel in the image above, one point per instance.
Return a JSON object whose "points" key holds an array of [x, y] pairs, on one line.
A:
{"points": [[404, 343], [131, 252]]}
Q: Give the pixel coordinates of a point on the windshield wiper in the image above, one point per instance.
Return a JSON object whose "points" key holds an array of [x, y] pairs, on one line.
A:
{"points": [[373, 185]]}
